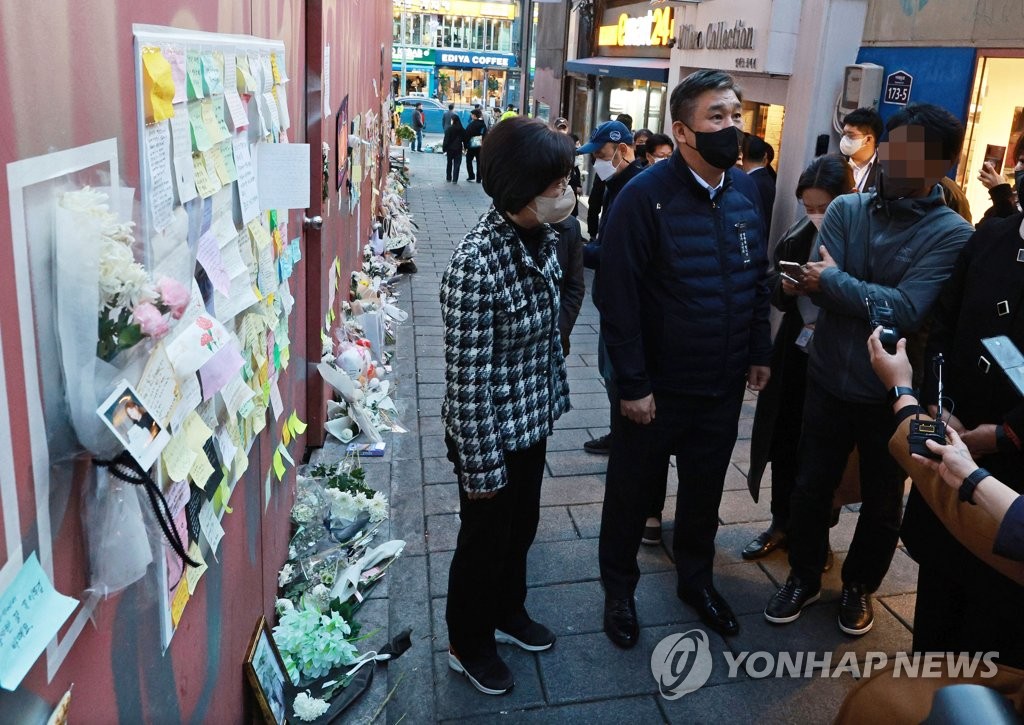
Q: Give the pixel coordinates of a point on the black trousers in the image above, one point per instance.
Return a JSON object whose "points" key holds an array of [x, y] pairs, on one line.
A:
{"points": [[831, 429], [701, 433], [487, 579], [454, 164], [472, 155]]}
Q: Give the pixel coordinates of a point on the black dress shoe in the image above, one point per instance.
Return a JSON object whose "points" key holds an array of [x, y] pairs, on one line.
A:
{"points": [[620, 622], [601, 446], [713, 609], [765, 543], [790, 600]]}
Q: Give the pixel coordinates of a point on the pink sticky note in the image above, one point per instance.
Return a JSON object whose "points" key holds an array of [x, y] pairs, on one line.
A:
{"points": [[208, 255], [176, 57], [220, 369]]}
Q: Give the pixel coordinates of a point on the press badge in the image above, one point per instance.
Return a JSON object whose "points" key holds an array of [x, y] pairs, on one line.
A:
{"points": [[804, 338]]}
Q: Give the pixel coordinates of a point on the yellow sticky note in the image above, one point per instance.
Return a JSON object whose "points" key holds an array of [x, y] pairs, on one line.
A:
{"points": [[274, 69], [204, 184], [179, 601], [297, 426], [201, 139], [201, 470], [178, 458], [195, 431], [259, 233], [158, 85], [278, 244], [278, 465], [286, 434], [194, 573], [210, 120], [246, 83], [221, 169]]}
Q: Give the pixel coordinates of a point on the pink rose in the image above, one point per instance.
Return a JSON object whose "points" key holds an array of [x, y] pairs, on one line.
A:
{"points": [[206, 339], [174, 295], [148, 317], [204, 323]]}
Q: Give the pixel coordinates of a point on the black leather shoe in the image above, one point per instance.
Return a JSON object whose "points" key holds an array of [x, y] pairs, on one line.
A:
{"points": [[713, 609], [765, 543], [620, 623], [790, 600], [856, 616], [601, 446]]}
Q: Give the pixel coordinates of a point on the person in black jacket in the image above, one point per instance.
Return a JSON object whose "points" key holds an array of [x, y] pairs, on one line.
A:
{"points": [[963, 605], [780, 405], [573, 287], [476, 129], [755, 163], [1005, 200], [684, 314], [453, 144], [596, 200]]}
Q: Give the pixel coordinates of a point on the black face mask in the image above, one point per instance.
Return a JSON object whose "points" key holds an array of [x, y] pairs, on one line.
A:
{"points": [[1018, 178], [891, 189], [641, 149], [719, 148]]}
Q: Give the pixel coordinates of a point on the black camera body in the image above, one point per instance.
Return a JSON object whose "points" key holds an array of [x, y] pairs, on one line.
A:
{"points": [[926, 430], [883, 316]]}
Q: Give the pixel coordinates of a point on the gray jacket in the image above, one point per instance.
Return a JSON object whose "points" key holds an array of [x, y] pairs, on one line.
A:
{"points": [[898, 253]]}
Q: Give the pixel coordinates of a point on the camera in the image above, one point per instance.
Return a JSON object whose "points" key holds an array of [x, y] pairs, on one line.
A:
{"points": [[882, 314]]}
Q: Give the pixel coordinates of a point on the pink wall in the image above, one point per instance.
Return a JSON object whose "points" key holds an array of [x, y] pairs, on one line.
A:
{"points": [[67, 79]]}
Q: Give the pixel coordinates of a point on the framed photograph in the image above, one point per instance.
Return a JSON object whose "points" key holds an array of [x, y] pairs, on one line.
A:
{"points": [[135, 427], [265, 671]]}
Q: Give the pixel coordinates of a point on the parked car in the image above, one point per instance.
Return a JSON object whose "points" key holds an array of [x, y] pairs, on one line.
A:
{"points": [[433, 109]]}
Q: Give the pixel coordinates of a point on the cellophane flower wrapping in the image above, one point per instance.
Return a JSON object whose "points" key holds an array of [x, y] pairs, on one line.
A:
{"points": [[119, 549]]}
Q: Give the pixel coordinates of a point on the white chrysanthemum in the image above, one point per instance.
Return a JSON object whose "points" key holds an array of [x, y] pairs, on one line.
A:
{"points": [[378, 507], [343, 505], [283, 605], [308, 708], [286, 574], [321, 596]]}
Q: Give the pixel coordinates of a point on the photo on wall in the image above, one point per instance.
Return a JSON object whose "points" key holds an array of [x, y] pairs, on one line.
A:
{"points": [[129, 418]]}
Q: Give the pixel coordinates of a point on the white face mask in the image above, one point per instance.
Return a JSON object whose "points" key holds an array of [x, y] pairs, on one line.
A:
{"points": [[605, 169], [553, 210], [849, 146], [816, 219]]}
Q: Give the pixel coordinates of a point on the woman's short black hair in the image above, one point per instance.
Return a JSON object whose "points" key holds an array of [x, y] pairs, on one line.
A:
{"points": [[645, 132], [520, 158], [831, 173], [456, 121]]}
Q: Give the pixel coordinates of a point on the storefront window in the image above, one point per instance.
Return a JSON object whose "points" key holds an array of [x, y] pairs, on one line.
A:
{"points": [[995, 122], [643, 100], [445, 31], [765, 120]]}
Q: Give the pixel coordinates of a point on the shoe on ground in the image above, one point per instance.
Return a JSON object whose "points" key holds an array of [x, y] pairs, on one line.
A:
{"points": [[652, 533], [714, 611], [765, 543], [490, 675], [601, 446], [830, 560], [620, 622], [479, 181], [471, 178], [532, 637], [856, 616], [790, 600]]}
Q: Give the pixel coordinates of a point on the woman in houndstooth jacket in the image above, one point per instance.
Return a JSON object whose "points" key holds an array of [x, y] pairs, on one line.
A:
{"points": [[506, 385]]}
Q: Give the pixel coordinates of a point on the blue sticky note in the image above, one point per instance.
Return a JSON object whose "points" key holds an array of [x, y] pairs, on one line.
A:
{"points": [[296, 250], [31, 614], [286, 266]]}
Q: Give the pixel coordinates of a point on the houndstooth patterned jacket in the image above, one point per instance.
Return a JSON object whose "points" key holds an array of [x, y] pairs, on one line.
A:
{"points": [[504, 369]]}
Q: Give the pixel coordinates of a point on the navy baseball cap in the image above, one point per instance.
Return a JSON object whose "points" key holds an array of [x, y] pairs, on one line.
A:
{"points": [[608, 132]]}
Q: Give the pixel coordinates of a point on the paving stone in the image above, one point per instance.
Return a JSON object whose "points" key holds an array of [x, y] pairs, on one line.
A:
{"points": [[585, 401], [902, 606], [572, 490], [568, 439], [433, 446], [430, 375], [430, 390], [737, 506], [438, 470], [602, 712], [441, 498], [456, 697], [576, 462], [588, 384], [442, 532]]}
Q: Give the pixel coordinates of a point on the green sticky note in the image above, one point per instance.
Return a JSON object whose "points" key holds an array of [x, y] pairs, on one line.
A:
{"points": [[278, 465]]}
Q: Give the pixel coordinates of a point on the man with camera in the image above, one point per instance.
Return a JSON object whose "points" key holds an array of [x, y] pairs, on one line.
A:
{"points": [[882, 261]]}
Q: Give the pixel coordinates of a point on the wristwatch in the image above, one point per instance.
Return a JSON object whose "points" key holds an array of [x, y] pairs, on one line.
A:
{"points": [[970, 483], [897, 391]]}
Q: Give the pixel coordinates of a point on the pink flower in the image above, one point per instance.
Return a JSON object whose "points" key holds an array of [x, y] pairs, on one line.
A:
{"points": [[149, 319], [174, 295], [206, 339], [204, 323]]}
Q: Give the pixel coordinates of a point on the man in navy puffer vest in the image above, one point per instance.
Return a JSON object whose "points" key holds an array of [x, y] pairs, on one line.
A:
{"points": [[684, 315]]}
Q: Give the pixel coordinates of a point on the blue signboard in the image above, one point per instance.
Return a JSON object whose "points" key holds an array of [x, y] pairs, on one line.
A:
{"points": [[474, 59]]}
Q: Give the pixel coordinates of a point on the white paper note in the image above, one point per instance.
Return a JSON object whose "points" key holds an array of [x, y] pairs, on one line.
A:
{"points": [[210, 526], [160, 193], [158, 385], [181, 142], [325, 82], [248, 190], [282, 172]]}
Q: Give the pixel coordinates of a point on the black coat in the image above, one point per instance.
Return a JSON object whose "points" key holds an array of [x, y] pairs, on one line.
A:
{"points": [[766, 188], [476, 127], [454, 140], [573, 288]]}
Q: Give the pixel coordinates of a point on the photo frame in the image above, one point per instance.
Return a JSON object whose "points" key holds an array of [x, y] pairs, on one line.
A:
{"points": [[128, 417], [265, 671], [341, 141]]}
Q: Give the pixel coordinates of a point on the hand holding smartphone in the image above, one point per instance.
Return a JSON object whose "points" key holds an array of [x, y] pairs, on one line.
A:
{"points": [[791, 272]]}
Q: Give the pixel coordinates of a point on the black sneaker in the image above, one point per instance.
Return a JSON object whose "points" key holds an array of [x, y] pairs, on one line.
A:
{"points": [[652, 534], [490, 675], [533, 637], [855, 613], [601, 446], [789, 601]]}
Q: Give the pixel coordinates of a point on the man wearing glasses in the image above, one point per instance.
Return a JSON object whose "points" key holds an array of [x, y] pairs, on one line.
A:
{"points": [[859, 144]]}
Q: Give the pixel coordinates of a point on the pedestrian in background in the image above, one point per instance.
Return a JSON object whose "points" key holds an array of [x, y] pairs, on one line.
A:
{"points": [[419, 125], [506, 384], [453, 145], [446, 119], [475, 132]]}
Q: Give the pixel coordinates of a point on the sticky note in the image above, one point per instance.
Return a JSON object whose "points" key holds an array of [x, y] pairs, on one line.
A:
{"points": [[218, 118], [194, 573], [178, 602], [213, 69], [178, 458], [208, 114], [31, 614], [210, 525], [204, 182], [279, 468], [201, 140], [227, 155], [157, 85], [194, 72], [297, 426]]}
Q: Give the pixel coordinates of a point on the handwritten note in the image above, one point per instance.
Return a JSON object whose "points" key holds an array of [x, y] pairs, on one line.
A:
{"points": [[194, 71], [201, 140], [246, 83], [219, 167], [210, 526], [201, 175], [219, 369], [181, 144], [283, 175], [218, 117], [160, 195], [194, 573], [178, 458], [213, 68], [158, 386], [207, 111], [208, 255], [31, 614], [248, 191], [178, 602], [191, 395], [282, 107], [176, 57]]}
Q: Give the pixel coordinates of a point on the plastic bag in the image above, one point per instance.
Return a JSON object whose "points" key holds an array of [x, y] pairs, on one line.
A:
{"points": [[119, 551]]}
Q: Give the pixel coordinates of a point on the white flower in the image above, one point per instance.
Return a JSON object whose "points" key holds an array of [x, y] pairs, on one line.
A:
{"points": [[292, 554], [320, 596], [378, 507], [286, 574], [283, 605], [308, 708], [343, 505]]}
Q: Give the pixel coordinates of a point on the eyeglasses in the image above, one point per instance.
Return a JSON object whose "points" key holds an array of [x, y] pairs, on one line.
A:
{"points": [[563, 184]]}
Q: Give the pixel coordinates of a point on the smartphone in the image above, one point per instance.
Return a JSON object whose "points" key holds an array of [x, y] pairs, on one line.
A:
{"points": [[792, 269], [791, 280]]}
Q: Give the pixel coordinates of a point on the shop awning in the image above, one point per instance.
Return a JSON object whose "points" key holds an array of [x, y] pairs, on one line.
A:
{"points": [[642, 69]]}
